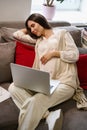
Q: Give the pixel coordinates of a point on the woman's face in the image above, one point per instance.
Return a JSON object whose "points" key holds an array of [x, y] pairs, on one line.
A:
{"points": [[36, 28]]}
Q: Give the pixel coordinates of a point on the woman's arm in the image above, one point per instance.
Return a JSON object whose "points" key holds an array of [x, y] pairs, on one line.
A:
{"points": [[20, 32], [68, 54], [22, 35], [71, 52], [44, 59]]}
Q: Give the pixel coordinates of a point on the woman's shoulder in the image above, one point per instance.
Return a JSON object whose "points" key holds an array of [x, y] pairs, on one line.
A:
{"points": [[59, 30]]}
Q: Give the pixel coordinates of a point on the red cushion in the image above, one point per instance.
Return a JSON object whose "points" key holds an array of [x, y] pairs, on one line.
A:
{"points": [[82, 70], [24, 54]]}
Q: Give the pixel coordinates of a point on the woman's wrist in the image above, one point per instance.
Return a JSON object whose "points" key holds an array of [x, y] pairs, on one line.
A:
{"points": [[56, 54]]}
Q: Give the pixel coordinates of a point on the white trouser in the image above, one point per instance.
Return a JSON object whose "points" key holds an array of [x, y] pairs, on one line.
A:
{"points": [[34, 106]]}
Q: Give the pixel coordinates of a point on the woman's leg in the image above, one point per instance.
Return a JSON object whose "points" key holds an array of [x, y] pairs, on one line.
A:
{"points": [[35, 107], [19, 95]]}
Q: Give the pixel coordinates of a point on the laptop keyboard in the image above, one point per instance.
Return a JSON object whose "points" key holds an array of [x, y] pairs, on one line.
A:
{"points": [[51, 86]]}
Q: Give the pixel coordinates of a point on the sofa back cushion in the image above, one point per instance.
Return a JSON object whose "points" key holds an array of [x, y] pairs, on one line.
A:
{"points": [[82, 70], [7, 51], [7, 34], [75, 33]]}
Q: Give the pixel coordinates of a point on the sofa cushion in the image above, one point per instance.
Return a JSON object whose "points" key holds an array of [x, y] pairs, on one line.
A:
{"points": [[82, 70], [82, 50], [7, 51], [24, 54], [75, 33], [7, 33], [9, 116]]}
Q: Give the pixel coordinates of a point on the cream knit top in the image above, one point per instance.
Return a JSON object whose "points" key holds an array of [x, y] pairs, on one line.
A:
{"points": [[63, 68]]}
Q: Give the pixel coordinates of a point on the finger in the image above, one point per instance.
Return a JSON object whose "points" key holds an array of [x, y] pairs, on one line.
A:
{"points": [[43, 60]]}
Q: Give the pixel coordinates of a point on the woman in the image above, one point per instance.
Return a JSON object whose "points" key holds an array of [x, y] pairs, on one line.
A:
{"points": [[57, 54]]}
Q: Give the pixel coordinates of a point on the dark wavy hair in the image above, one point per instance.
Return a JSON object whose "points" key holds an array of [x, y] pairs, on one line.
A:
{"points": [[40, 19]]}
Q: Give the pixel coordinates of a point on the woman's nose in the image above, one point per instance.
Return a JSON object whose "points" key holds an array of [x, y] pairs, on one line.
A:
{"points": [[32, 30]]}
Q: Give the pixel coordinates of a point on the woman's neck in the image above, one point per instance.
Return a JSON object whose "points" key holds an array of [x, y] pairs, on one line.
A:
{"points": [[48, 33]]}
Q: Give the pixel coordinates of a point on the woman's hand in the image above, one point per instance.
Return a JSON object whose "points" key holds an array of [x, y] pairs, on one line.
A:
{"points": [[18, 34], [45, 58]]}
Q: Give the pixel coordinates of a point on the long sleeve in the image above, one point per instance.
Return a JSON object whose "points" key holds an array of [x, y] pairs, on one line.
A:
{"points": [[71, 52], [20, 35]]}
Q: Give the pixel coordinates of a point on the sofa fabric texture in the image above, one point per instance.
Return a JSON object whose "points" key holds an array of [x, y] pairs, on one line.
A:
{"points": [[6, 34], [75, 33], [7, 51], [12, 50]]}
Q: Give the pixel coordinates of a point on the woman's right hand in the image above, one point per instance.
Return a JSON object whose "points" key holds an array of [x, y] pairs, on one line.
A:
{"points": [[45, 58]]}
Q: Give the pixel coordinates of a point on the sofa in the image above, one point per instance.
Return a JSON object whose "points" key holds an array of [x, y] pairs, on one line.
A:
{"points": [[21, 52]]}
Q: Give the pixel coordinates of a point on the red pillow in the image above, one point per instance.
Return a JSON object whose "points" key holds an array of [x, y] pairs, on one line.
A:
{"points": [[82, 70], [24, 54]]}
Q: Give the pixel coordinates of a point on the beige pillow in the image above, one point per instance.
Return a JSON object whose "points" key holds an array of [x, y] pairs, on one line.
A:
{"points": [[7, 51], [7, 33]]}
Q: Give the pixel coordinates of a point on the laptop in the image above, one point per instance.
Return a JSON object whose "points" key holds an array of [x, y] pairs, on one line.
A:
{"points": [[33, 79]]}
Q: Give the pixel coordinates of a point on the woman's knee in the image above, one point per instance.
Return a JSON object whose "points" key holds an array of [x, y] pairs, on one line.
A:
{"points": [[11, 88], [65, 92]]}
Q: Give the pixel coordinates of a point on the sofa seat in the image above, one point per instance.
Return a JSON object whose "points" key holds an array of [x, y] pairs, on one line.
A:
{"points": [[8, 113], [74, 119]]}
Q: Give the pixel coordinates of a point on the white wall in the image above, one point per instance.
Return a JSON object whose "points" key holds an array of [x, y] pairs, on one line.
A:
{"points": [[14, 10], [84, 6]]}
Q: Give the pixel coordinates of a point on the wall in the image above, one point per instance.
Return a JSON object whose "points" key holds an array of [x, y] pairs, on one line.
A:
{"points": [[14, 10], [84, 6]]}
